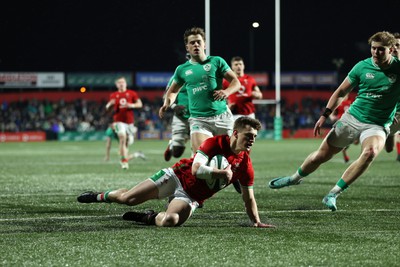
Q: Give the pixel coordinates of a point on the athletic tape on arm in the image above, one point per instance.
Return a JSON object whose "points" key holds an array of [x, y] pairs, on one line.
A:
{"points": [[204, 171]]}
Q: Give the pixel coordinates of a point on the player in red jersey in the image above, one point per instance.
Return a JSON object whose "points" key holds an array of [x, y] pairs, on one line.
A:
{"points": [[241, 103], [335, 116], [186, 182], [124, 101]]}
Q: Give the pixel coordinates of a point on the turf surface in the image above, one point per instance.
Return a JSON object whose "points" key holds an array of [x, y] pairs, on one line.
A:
{"points": [[43, 224]]}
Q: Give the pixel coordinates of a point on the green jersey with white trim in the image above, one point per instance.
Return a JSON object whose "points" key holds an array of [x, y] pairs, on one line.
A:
{"points": [[181, 100], [201, 80], [379, 92]]}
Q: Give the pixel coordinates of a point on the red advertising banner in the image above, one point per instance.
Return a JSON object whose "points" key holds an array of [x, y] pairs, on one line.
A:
{"points": [[23, 137]]}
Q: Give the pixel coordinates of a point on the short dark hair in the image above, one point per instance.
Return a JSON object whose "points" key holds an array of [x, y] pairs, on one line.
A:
{"points": [[386, 38], [241, 123], [194, 31], [236, 58]]}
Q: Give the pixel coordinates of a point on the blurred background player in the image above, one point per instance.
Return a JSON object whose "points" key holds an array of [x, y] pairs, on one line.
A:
{"points": [[180, 125], [124, 101], [202, 77], [336, 115], [111, 135], [395, 127], [190, 181], [241, 103]]}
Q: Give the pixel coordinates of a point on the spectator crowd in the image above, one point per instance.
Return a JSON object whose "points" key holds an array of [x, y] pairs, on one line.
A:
{"points": [[83, 116]]}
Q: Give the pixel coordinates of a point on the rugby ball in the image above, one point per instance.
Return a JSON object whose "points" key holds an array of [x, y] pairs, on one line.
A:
{"points": [[218, 162]]}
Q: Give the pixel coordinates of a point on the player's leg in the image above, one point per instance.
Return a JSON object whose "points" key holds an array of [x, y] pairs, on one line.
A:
{"points": [[398, 146], [346, 157], [372, 143], [176, 146], [120, 129], [177, 213], [341, 135], [108, 149], [324, 153], [142, 192], [389, 143], [158, 186]]}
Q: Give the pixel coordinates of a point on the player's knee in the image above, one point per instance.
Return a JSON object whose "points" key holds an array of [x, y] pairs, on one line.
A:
{"points": [[125, 198], [369, 154], [170, 220]]}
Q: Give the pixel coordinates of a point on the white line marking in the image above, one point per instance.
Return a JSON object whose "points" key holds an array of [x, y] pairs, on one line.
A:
{"points": [[227, 212]]}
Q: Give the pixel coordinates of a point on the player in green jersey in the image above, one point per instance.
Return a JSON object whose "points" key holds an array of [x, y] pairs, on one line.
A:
{"points": [[368, 118], [395, 127], [180, 125], [202, 76]]}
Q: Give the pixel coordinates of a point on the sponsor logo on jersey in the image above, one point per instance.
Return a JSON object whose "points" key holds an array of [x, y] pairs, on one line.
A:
{"points": [[188, 72], [207, 67], [199, 88], [392, 78], [369, 75]]}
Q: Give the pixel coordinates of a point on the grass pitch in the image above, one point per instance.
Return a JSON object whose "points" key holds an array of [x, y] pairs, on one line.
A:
{"points": [[42, 224]]}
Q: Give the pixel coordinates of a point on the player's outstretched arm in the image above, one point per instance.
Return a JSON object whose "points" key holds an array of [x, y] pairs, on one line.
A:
{"points": [[251, 208]]}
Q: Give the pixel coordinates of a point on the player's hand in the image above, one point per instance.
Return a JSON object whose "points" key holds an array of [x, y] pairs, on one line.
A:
{"points": [[228, 173], [180, 110], [318, 125], [162, 111], [256, 94], [263, 225], [220, 94]]}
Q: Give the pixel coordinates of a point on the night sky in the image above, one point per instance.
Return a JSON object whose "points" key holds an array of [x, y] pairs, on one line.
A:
{"points": [[139, 35]]}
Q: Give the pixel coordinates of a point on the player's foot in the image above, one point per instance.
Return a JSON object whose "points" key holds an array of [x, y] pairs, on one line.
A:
{"points": [[88, 197], [139, 154], [168, 152], [124, 165], [346, 159], [237, 187], [147, 217], [330, 201], [280, 182]]}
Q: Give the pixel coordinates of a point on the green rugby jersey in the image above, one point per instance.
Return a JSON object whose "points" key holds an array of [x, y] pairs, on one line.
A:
{"points": [[379, 91], [181, 99], [201, 80]]}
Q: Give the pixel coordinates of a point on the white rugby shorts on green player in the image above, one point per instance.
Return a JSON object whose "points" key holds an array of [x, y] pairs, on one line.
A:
{"points": [[237, 116], [348, 129], [168, 185], [122, 128], [180, 131], [212, 126], [395, 127]]}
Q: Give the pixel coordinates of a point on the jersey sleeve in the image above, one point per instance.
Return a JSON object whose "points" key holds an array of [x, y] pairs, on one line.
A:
{"points": [[135, 97], [354, 76], [223, 67], [246, 177], [178, 77], [208, 147]]}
